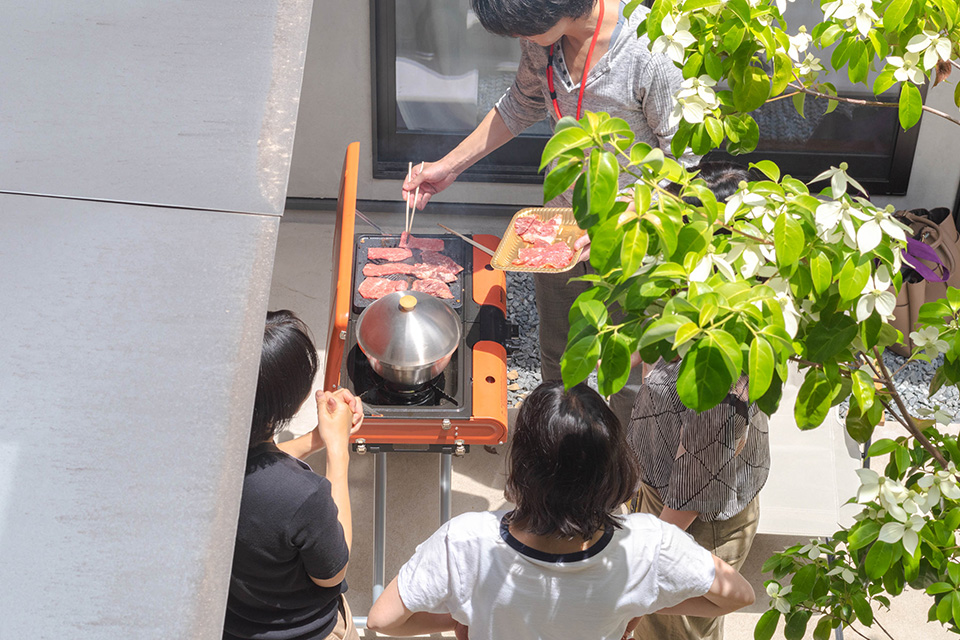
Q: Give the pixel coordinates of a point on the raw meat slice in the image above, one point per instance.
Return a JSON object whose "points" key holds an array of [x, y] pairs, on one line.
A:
{"points": [[391, 254], [530, 228], [434, 287], [554, 256], [435, 271], [424, 244], [432, 257], [388, 269], [376, 288]]}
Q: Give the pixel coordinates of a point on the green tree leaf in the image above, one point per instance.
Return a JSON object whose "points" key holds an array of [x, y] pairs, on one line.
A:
{"points": [[788, 239], [828, 337], [634, 246], [560, 179], [705, 375], [893, 15], [862, 608], [580, 358], [821, 272], [761, 363], [884, 81], [796, 625], [863, 388], [823, 629], [798, 100], [878, 559], [766, 625], [753, 90], [852, 279], [614, 364], [813, 400], [603, 173], [564, 140], [782, 73], [911, 105], [768, 168], [863, 534]]}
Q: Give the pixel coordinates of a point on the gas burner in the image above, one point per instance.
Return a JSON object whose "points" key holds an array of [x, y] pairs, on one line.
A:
{"points": [[386, 393], [415, 397]]}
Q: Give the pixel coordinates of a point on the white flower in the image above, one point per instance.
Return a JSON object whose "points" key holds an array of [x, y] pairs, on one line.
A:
{"points": [[845, 573], [938, 414], [877, 222], [906, 68], [754, 255], [798, 43], [830, 214], [887, 491], [877, 295], [859, 11], [701, 87], [908, 532], [777, 596], [941, 483], [783, 295], [675, 39], [811, 550], [929, 340], [705, 267], [782, 6], [934, 46], [691, 109], [743, 197], [809, 65]]}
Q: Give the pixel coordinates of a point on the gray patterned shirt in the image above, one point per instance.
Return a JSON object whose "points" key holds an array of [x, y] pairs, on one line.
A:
{"points": [[713, 462], [628, 82]]}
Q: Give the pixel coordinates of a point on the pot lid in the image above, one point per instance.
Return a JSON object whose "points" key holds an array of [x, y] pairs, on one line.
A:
{"points": [[408, 328]]}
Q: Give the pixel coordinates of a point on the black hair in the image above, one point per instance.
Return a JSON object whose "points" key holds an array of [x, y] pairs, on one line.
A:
{"points": [[516, 18], [569, 464], [723, 178], [288, 365]]}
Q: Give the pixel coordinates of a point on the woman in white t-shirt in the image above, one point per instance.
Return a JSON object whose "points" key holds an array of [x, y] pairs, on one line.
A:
{"points": [[562, 564]]}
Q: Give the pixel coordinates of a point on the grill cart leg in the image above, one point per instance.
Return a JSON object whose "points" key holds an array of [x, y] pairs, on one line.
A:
{"points": [[446, 472], [379, 521]]}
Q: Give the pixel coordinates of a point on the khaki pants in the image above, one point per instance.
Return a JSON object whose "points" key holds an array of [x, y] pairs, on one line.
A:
{"points": [[729, 540], [344, 629]]}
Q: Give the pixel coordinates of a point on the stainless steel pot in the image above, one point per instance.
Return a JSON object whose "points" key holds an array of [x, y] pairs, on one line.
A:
{"points": [[408, 337]]}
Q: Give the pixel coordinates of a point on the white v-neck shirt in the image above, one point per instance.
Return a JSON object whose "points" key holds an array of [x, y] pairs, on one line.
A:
{"points": [[474, 570]]}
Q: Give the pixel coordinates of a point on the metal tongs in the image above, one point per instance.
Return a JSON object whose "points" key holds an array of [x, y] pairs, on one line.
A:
{"points": [[466, 239]]}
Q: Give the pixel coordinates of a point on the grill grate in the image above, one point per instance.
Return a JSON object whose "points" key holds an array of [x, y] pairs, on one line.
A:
{"points": [[454, 248]]}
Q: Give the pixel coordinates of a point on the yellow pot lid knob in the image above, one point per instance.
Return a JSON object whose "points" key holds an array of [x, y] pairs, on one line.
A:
{"points": [[407, 303]]}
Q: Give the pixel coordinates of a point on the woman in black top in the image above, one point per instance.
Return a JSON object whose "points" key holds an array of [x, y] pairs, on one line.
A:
{"points": [[294, 529]]}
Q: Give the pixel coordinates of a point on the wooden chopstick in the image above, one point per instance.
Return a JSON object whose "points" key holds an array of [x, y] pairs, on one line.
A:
{"points": [[466, 239], [406, 201], [416, 196]]}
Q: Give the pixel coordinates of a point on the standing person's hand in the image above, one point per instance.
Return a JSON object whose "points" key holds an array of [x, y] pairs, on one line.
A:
{"points": [[432, 178]]}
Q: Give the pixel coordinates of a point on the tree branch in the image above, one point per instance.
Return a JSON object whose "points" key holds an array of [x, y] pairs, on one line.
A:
{"points": [[868, 103], [910, 424]]}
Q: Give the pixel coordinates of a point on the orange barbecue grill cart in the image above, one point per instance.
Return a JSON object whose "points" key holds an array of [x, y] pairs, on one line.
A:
{"points": [[466, 404]]}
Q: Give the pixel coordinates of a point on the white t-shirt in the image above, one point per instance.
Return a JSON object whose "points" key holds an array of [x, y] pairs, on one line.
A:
{"points": [[473, 569]]}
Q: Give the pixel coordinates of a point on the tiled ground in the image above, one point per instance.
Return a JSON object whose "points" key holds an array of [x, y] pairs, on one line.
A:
{"points": [[811, 475]]}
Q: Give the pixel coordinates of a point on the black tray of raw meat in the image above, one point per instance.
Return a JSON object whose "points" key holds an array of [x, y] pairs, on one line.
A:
{"points": [[453, 247]]}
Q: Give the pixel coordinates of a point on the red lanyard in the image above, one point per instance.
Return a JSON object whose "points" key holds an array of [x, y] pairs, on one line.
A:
{"points": [[586, 68]]}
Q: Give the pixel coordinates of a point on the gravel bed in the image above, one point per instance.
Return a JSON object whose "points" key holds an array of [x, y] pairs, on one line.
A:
{"points": [[523, 366], [913, 384]]}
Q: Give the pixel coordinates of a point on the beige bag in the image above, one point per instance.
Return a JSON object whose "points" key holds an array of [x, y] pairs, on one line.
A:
{"points": [[927, 273]]}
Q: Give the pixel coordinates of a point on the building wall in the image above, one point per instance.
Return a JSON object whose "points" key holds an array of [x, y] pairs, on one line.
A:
{"points": [[337, 108]]}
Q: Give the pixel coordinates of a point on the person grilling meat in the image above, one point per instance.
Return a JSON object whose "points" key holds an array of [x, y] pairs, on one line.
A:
{"points": [[621, 77]]}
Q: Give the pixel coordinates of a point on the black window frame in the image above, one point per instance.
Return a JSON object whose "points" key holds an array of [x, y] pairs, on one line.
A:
{"points": [[517, 161]]}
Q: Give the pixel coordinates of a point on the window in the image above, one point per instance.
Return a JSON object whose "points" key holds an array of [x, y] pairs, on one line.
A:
{"points": [[438, 73]]}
